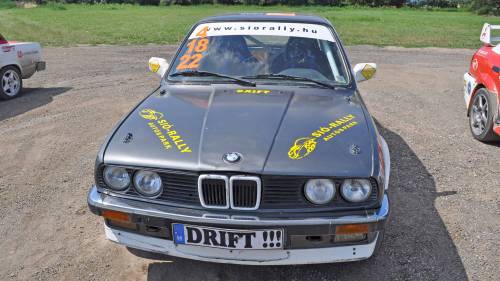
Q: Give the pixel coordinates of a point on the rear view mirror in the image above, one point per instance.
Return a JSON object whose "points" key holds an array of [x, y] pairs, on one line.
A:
{"points": [[158, 66], [364, 71]]}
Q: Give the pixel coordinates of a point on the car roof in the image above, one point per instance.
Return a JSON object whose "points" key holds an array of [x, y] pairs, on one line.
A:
{"points": [[280, 17]]}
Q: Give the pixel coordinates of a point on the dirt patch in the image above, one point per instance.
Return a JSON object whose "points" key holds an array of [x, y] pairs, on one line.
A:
{"points": [[444, 185]]}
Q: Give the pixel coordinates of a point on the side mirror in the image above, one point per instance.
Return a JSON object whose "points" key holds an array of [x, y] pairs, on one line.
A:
{"points": [[364, 71], [158, 66]]}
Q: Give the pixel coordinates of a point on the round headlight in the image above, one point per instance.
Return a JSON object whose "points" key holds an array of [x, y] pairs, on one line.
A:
{"points": [[356, 190], [116, 178], [147, 183], [319, 191]]}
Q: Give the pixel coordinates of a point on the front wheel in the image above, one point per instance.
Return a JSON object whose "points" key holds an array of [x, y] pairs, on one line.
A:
{"points": [[11, 82], [481, 116]]}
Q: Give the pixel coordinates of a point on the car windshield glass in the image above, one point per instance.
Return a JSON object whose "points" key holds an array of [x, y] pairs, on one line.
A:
{"points": [[261, 51]]}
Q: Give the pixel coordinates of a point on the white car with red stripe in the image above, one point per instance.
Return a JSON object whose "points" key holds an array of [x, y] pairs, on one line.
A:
{"points": [[18, 61]]}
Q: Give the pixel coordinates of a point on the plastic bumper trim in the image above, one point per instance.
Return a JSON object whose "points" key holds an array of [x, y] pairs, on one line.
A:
{"points": [[247, 257]]}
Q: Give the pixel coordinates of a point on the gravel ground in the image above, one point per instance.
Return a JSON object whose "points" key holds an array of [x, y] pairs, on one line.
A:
{"points": [[444, 184]]}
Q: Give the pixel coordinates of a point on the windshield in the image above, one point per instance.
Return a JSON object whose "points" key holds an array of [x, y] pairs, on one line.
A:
{"points": [[260, 50]]}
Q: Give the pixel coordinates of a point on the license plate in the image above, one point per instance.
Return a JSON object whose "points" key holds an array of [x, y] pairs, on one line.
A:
{"points": [[266, 239]]}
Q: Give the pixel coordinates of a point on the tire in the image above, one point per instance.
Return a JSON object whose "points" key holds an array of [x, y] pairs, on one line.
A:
{"points": [[11, 82], [481, 113]]}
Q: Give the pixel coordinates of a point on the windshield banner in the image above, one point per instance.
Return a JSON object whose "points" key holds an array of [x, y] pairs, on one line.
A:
{"points": [[314, 31]]}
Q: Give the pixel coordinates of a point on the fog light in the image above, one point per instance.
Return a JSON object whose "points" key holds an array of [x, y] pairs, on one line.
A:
{"points": [[340, 238]]}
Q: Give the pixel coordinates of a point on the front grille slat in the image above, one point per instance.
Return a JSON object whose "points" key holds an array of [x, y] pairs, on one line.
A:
{"points": [[181, 191], [246, 197], [215, 196], [210, 195], [179, 186]]}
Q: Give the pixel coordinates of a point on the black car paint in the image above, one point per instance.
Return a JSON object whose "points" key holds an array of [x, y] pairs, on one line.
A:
{"points": [[288, 113], [213, 120]]}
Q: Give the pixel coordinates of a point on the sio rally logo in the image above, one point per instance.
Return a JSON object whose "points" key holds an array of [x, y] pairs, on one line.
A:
{"points": [[150, 114], [164, 130], [306, 145]]}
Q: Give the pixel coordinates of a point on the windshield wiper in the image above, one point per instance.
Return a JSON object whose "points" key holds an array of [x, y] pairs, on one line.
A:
{"points": [[206, 73], [290, 77]]}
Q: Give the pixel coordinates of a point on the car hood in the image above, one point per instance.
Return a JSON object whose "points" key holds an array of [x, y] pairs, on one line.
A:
{"points": [[292, 131]]}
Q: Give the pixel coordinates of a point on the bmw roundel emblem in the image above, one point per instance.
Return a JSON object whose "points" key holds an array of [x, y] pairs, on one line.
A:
{"points": [[231, 157]]}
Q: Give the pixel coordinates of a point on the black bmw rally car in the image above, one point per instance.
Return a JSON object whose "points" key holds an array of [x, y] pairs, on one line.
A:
{"points": [[256, 148]]}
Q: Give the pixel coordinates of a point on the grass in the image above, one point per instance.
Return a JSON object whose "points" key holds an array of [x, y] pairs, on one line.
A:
{"points": [[72, 24], [7, 4]]}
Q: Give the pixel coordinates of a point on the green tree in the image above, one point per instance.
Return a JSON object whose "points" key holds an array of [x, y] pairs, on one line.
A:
{"points": [[486, 7]]}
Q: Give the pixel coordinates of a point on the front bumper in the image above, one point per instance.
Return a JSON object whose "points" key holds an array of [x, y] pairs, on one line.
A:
{"points": [[163, 215], [470, 84], [248, 257]]}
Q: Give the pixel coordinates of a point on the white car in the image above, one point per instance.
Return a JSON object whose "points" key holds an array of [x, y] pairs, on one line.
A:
{"points": [[18, 61]]}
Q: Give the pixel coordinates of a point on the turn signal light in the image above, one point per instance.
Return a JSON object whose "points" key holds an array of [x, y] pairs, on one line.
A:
{"points": [[115, 215], [351, 229]]}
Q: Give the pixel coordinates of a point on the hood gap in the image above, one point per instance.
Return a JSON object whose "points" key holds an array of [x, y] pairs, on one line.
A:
{"points": [[202, 133], [277, 131]]}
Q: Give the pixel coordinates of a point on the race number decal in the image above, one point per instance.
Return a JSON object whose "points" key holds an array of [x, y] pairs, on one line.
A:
{"points": [[194, 52], [189, 62], [203, 32]]}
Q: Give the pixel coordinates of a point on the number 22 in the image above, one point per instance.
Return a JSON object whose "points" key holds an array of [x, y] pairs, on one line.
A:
{"points": [[190, 61]]}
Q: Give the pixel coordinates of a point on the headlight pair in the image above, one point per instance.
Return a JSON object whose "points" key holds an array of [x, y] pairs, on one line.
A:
{"points": [[322, 191], [146, 183]]}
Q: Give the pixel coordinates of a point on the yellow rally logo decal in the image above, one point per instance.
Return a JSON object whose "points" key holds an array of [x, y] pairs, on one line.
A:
{"points": [[253, 91], [150, 114], [168, 135], [154, 67], [304, 146]]}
